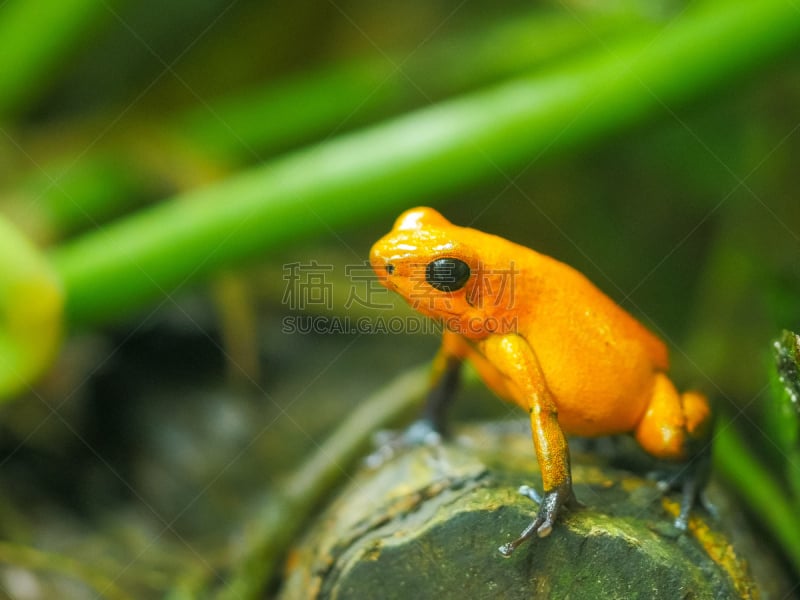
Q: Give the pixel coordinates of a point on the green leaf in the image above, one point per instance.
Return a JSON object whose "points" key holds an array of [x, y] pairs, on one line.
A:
{"points": [[35, 38], [787, 358], [418, 157], [30, 311], [785, 410]]}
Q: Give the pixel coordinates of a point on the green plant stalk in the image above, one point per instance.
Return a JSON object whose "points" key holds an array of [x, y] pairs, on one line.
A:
{"points": [[782, 416], [68, 198], [319, 103], [415, 158], [284, 114], [759, 489], [30, 311], [35, 37]]}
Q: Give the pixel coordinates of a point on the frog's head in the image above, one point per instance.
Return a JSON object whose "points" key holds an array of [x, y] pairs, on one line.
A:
{"points": [[439, 270]]}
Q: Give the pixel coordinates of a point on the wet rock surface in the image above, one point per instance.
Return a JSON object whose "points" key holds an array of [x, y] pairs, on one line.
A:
{"points": [[428, 524]]}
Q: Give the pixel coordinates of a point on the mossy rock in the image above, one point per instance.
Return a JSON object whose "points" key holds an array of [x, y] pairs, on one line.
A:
{"points": [[428, 524]]}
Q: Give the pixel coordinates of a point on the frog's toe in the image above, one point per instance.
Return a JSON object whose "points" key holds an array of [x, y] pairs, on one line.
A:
{"points": [[541, 527], [389, 444], [550, 506], [382, 454], [689, 480], [422, 432], [531, 493], [533, 529]]}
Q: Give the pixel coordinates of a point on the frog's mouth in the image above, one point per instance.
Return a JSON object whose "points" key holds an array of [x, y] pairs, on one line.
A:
{"points": [[384, 272]]}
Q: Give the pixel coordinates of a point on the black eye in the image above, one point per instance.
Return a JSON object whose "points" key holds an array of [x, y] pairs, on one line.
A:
{"points": [[447, 274]]}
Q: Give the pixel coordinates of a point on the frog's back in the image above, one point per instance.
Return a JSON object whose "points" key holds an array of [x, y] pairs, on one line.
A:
{"points": [[550, 294], [599, 361]]}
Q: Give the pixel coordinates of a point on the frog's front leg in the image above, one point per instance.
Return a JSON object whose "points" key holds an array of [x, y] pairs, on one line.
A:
{"points": [[517, 361], [431, 426], [445, 376]]}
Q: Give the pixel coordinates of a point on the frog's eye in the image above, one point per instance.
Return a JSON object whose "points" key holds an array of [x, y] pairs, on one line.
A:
{"points": [[447, 274]]}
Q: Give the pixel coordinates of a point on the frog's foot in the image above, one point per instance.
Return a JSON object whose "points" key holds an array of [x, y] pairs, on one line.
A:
{"points": [[389, 444], [690, 480], [550, 505]]}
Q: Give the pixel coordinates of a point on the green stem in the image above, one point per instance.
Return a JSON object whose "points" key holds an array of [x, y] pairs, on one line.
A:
{"points": [[68, 197], [263, 121], [30, 311], [35, 37], [418, 157], [320, 103], [762, 493]]}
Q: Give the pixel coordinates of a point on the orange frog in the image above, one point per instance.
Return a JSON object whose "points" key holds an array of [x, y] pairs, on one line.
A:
{"points": [[544, 337]]}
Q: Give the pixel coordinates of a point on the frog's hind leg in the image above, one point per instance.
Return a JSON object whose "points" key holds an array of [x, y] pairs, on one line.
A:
{"points": [[676, 427], [430, 427], [445, 376]]}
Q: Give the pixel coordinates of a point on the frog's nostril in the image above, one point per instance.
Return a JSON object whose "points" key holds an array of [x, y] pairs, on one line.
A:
{"points": [[389, 268]]}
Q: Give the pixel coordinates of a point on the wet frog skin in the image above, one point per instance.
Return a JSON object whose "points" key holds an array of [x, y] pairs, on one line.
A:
{"points": [[543, 337]]}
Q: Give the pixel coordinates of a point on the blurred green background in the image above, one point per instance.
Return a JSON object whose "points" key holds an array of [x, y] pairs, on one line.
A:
{"points": [[163, 165]]}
